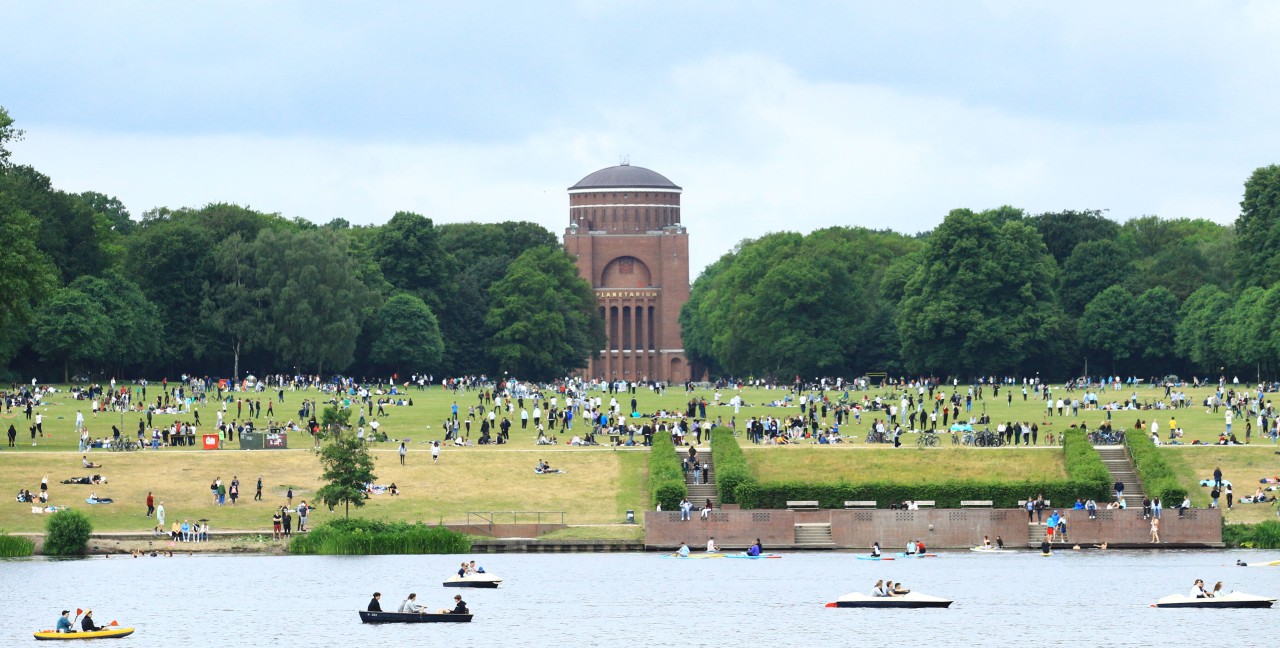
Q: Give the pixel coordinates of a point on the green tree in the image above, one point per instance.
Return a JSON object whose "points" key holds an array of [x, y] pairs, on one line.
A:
{"points": [[133, 322], [1200, 328], [78, 241], [1154, 329], [347, 467], [111, 208], [407, 335], [318, 302], [1092, 267], [1063, 231], [71, 328], [27, 275], [407, 248], [1257, 258], [1107, 325], [542, 321], [1246, 330], [982, 300], [234, 303], [8, 135]]}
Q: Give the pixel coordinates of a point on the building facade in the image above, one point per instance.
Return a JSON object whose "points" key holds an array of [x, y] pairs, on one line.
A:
{"points": [[625, 232]]}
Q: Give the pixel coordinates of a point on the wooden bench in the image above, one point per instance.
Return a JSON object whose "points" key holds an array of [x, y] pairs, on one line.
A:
{"points": [[859, 504], [802, 505], [924, 503], [976, 503]]}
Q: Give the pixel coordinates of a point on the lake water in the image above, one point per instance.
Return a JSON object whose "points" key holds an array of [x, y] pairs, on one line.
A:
{"points": [[1082, 598]]}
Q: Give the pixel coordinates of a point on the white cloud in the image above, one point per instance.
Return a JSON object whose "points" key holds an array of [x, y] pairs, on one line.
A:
{"points": [[757, 146]]}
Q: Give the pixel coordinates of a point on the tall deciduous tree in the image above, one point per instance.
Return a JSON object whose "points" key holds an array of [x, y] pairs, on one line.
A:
{"points": [[408, 250], [235, 302], [407, 335], [1200, 328], [982, 300], [318, 302], [1092, 267], [1155, 327], [1107, 325], [27, 275], [1258, 229], [71, 328], [133, 322], [1063, 231], [543, 321]]}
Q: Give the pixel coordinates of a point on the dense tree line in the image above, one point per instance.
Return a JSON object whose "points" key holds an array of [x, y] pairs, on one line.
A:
{"points": [[1002, 292], [226, 290]]}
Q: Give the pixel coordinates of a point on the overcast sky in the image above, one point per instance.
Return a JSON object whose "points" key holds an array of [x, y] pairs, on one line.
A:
{"points": [[771, 115]]}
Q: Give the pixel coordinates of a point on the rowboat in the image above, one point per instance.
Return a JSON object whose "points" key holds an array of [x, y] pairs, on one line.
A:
{"points": [[488, 581], [111, 633], [1232, 600], [908, 600], [407, 617]]}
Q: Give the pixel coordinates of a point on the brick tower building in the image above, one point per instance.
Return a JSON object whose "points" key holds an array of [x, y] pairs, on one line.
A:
{"points": [[624, 229]]}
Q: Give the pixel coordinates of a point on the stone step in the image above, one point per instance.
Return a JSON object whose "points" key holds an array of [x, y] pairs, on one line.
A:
{"points": [[813, 534]]}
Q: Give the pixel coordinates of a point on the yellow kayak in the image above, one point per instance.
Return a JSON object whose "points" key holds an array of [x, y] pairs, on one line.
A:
{"points": [[111, 633]]}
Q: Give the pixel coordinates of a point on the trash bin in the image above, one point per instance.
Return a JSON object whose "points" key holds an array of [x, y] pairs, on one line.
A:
{"points": [[210, 441], [631, 516]]}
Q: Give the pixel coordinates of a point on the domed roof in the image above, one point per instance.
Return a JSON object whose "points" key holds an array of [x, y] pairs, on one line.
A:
{"points": [[625, 176]]}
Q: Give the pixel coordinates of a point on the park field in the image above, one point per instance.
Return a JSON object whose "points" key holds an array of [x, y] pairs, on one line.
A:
{"points": [[600, 485], [856, 463], [1242, 466]]}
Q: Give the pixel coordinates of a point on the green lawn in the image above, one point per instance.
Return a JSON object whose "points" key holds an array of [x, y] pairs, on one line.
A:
{"points": [[1242, 466], [859, 463], [600, 486]]}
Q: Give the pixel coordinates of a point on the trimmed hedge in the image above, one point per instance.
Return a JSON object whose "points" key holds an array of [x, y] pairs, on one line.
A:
{"points": [[1158, 479], [1087, 477], [730, 464], [666, 477]]}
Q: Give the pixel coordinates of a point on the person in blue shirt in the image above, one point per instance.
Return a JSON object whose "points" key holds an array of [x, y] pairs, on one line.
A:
{"points": [[683, 552], [64, 624]]}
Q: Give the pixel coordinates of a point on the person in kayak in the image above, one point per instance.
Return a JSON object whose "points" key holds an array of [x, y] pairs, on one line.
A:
{"points": [[683, 551], [87, 624], [64, 624], [374, 604], [875, 552]]}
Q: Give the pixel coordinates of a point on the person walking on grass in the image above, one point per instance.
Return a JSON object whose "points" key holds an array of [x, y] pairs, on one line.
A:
{"points": [[159, 519], [435, 452], [257, 495], [151, 504]]}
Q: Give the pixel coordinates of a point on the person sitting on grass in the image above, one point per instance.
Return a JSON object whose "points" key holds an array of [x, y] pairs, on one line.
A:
{"points": [[84, 459]]}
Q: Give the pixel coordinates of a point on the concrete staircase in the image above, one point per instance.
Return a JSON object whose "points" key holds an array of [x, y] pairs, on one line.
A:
{"points": [[1116, 459], [813, 534], [700, 493]]}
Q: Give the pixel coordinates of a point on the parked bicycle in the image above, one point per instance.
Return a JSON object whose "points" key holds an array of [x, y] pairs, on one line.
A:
{"points": [[927, 440]]}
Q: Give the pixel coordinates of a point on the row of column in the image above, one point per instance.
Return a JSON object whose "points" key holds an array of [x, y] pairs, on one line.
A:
{"points": [[629, 350]]}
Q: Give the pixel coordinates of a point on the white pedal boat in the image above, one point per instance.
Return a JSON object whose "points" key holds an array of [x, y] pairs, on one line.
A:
{"points": [[1231, 600], [909, 600]]}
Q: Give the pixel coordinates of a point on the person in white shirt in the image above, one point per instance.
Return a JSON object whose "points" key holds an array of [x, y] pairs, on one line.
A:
{"points": [[711, 545]]}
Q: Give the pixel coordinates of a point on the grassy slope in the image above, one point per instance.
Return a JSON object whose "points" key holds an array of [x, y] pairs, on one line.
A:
{"points": [[1242, 466], [857, 463], [600, 485]]}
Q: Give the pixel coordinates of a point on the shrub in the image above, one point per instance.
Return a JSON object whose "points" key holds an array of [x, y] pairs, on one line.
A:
{"points": [[1264, 535], [67, 533], [666, 477], [1158, 479], [730, 464], [356, 537], [15, 547], [1083, 463]]}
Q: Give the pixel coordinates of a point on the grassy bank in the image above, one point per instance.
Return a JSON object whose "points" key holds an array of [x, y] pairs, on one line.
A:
{"points": [[879, 464], [1242, 466]]}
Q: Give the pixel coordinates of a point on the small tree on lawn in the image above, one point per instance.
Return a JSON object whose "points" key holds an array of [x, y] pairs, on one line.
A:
{"points": [[347, 468]]}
